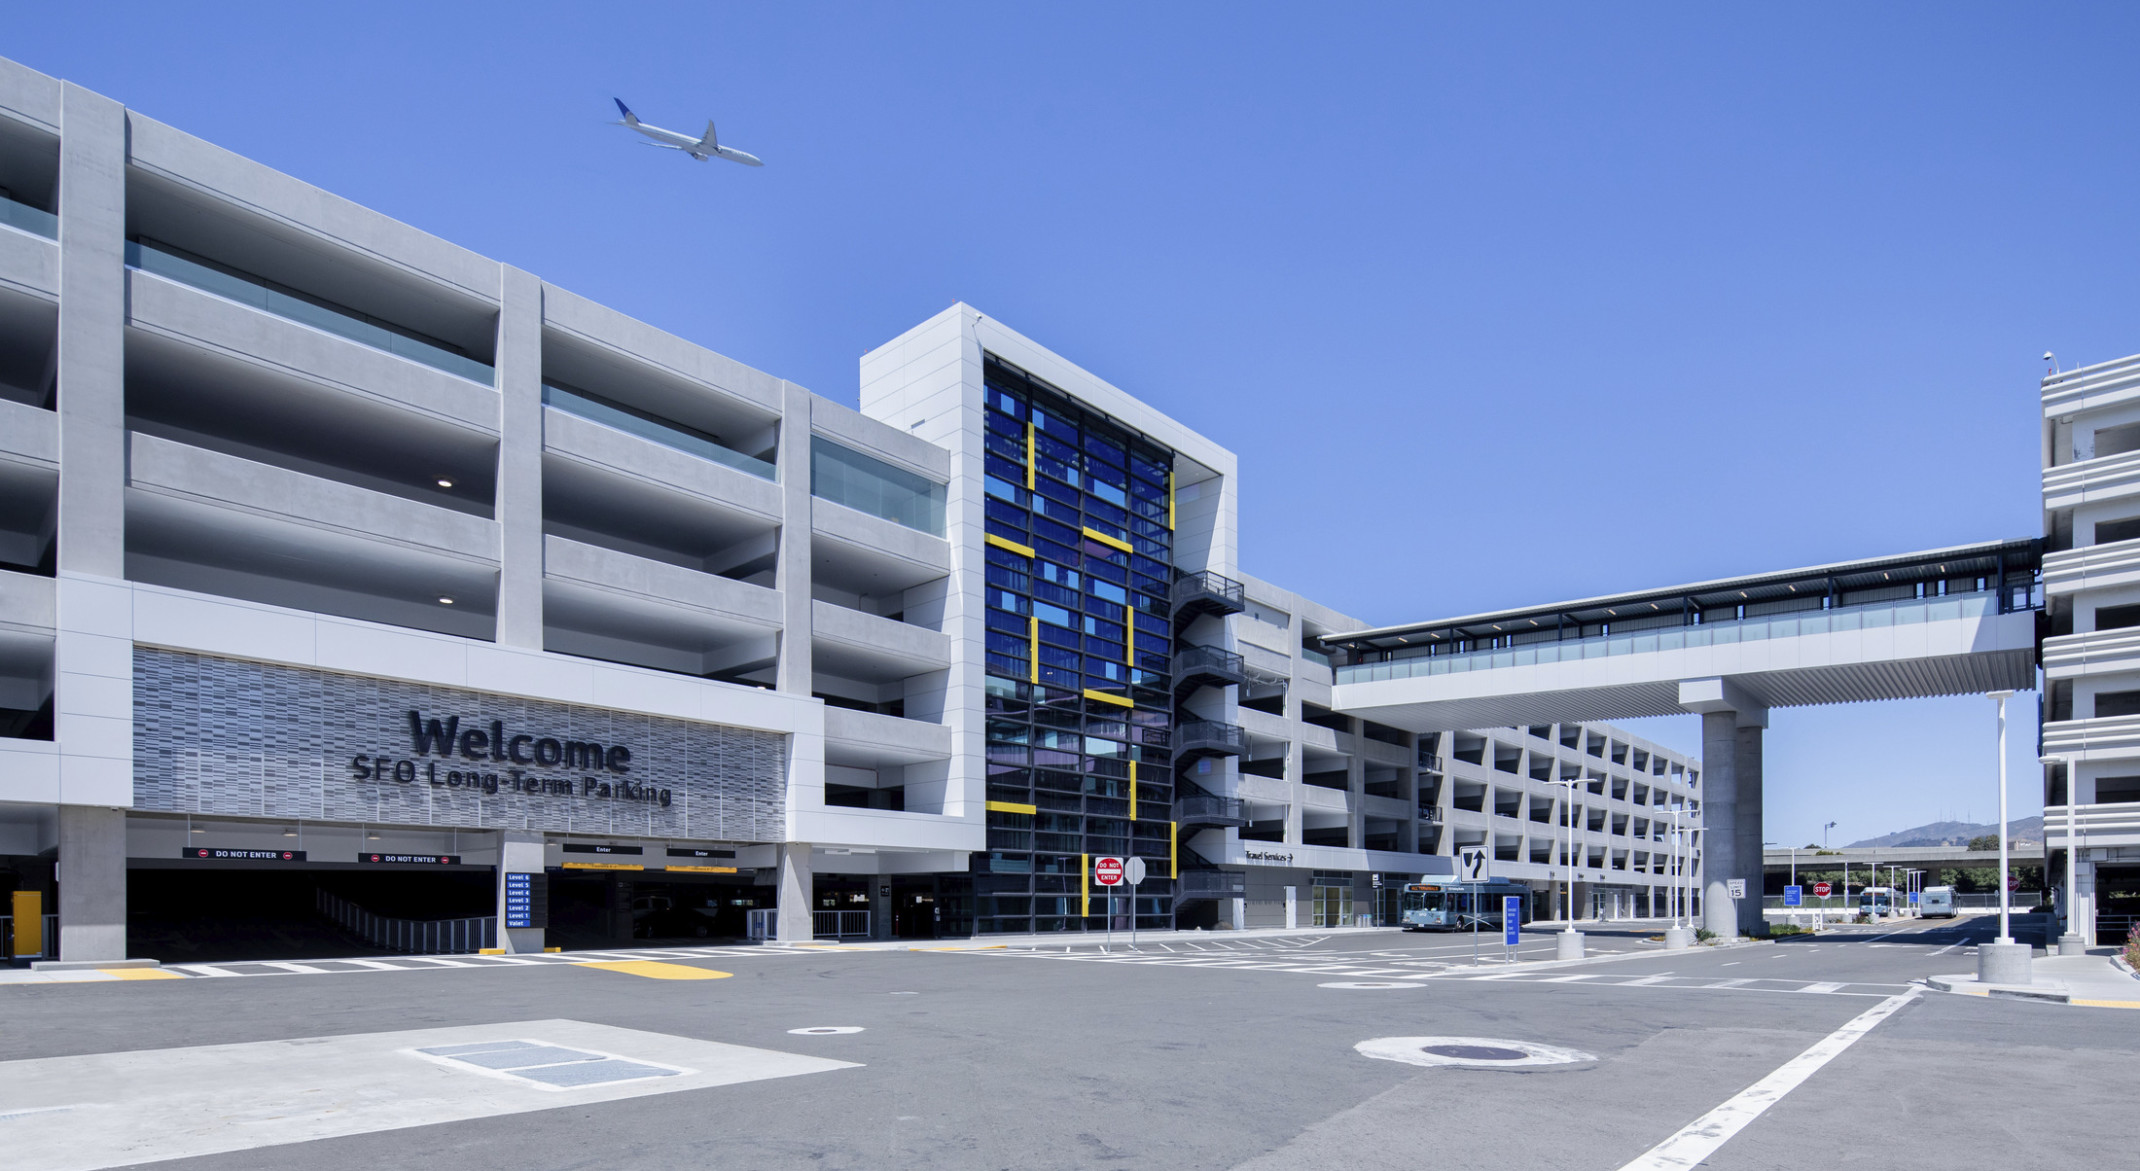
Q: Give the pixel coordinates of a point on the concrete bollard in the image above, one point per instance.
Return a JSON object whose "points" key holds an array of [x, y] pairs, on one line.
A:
{"points": [[1570, 946], [2004, 963], [1677, 938], [2070, 944]]}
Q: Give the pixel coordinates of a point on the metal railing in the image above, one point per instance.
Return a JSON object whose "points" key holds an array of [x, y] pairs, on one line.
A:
{"points": [[1975, 605], [839, 924], [7, 939], [1211, 884], [1205, 810], [1207, 586], [1208, 660], [410, 936], [1211, 736]]}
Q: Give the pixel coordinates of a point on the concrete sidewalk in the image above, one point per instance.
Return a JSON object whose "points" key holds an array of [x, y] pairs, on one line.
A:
{"points": [[2093, 981]]}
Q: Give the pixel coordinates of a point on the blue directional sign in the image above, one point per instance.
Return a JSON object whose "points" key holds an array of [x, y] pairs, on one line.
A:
{"points": [[1511, 919], [527, 901], [1794, 896], [1913, 898]]}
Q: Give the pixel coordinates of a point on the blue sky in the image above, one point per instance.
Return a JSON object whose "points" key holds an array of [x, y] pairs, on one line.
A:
{"points": [[1498, 304]]}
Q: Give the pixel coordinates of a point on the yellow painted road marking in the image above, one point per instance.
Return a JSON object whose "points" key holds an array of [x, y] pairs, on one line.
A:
{"points": [[141, 974], [657, 970], [2107, 1003]]}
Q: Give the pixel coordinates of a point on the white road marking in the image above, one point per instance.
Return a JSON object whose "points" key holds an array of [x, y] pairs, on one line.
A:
{"points": [[156, 1104], [1820, 987], [1734, 963], [1700, 1138]]}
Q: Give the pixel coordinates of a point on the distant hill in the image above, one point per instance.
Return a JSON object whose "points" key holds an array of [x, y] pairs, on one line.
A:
{"points": [[1958, 833]]}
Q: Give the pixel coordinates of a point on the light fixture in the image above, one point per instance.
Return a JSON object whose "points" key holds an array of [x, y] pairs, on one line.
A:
{"points": [[445, 601], [371, 837], [443, 482], [200, 829], [289, 833]]}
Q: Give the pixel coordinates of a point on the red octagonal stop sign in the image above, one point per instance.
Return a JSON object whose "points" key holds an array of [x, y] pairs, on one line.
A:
{"points": [[1821, 889], [1107, 871]]}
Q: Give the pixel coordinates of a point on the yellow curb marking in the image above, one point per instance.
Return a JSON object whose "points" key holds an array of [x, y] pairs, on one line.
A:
{"points": [[656, 970], [141, 974], [2107, 1003]]}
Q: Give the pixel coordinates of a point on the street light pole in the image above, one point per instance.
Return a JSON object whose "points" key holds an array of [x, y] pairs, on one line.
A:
{"points": [[2072, 941], [1570, 944], [2004, 961]]}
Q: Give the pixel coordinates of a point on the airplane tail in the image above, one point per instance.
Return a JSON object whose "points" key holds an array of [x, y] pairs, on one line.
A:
{"points": [[710, 140], [630, 119]]}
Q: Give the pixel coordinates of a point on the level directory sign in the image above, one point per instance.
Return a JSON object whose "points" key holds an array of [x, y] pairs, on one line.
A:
{"points": [[527, 900]]}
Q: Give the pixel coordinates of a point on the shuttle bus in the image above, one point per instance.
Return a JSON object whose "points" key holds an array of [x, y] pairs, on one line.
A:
{"points": [[1460, 906], [1936, 902]]}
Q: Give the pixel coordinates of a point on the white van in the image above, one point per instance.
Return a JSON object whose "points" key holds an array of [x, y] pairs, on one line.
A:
{"points": [[1936, 902]]}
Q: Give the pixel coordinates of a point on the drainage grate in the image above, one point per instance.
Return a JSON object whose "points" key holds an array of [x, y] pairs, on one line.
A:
{"points": [[554, 1066]]}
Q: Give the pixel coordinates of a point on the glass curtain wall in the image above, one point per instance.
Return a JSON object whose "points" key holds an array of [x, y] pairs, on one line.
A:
{"points": [[1080, 698]]}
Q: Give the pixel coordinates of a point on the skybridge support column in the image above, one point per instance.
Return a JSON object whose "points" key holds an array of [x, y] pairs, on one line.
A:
{"points": [[1730, 796]]}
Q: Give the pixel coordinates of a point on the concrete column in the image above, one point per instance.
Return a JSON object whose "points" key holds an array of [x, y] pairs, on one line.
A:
{"points": [[2084, 899], [1292, 907], [1240, 913], [1356, 788], [797, 894], [880, 907], [519, 499], [1720, 811], [520, 852], [791, 573], [92, 883], [92, 323]]}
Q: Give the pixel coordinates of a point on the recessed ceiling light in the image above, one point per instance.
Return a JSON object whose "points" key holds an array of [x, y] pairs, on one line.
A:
{"points": [[443, 482], [445, 601]]}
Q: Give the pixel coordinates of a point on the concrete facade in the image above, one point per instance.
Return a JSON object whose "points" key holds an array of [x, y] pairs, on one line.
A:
{"points": [[271, 427], [2091, 658], [345, 472]]}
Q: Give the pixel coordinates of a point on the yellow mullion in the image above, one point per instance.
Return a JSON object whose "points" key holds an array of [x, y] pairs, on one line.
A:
{"points": [[1006, 543], [1133, 790], [1104, 539], [1103, 697], [1173, 849], [1084, 883], [1032, 634], [1170, 499], [1000, 807], [1029, 461]]}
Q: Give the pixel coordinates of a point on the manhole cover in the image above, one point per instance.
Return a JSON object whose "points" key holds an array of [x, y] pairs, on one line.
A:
{"points": [[1474, 1053]]}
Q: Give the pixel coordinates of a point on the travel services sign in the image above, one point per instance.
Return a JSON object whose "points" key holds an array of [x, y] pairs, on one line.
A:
{"points": [[225, 736]]}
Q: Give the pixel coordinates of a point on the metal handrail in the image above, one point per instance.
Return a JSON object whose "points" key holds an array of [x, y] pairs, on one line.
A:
{"points": [[1187, 809], [1212, 884], [1191, 585], [1209, 734], [410, 936], [1219, 659]]}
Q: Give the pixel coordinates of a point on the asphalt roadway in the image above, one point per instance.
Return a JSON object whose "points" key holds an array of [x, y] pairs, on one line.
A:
{"points": [[1213, 1054]]}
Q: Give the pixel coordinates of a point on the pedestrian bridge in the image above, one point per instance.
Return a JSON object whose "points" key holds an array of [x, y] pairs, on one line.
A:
{"points": [[1947, 622], [1958, 621]]}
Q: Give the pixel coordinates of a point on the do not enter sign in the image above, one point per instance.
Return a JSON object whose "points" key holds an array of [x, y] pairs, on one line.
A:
{"points": [[1821, 889], [1107, 871]]}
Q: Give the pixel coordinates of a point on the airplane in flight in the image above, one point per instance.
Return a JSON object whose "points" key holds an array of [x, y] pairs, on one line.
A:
{"points": [[701, 148]]}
